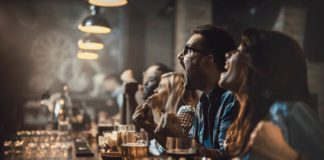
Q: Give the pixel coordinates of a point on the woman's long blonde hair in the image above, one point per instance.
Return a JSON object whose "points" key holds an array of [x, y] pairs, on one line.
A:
{"points": [[177, 94]]}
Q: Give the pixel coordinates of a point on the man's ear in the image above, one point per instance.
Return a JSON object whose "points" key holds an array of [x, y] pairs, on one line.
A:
{"points": [[210, 60]]}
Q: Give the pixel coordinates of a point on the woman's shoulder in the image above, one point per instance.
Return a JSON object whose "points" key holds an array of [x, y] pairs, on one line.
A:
{"points": [[301, 127], [293, 112], [287, 108]]}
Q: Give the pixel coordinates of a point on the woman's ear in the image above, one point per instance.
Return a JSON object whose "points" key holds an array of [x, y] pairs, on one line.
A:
{"points": [[210, 60]]}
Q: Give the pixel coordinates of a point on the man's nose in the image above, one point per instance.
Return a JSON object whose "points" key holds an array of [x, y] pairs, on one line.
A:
{"points": [[180, 55], [180, 58], [145, 83]]}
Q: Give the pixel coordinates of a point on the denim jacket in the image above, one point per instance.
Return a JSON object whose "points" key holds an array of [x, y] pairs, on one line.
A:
{"points": [[214, 114]]}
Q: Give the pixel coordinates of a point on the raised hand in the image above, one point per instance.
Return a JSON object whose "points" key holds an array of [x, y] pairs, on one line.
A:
{"points": [[267, 141], [140, 114], [155, 104], [169, 125]]}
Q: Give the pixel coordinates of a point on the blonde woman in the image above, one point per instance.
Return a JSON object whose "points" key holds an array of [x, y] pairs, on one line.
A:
{"points": [[171, 99]]}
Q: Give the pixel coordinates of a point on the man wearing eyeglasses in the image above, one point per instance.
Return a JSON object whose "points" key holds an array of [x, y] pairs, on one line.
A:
{"points": [[203, 59]]}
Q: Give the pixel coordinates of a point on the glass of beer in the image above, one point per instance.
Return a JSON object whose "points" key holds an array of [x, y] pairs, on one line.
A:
{"points": [[135, 145], [121, 131], [181, 147]]}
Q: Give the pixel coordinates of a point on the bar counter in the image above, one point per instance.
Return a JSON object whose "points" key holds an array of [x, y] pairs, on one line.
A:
{"points": [[59, 145]]}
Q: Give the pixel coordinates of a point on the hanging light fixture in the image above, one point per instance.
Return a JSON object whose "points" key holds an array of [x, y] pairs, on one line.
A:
{"points": [[95, 23], [90, 42], [108, 3], [87, 55]]}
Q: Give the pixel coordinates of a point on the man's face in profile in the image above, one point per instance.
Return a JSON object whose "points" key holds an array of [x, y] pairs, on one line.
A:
{"points": [[193, 62], [151, 80]]}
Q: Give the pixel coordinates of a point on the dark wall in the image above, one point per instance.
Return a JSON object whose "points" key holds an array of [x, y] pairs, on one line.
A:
{"points": [[314, 32], [237, 15]]}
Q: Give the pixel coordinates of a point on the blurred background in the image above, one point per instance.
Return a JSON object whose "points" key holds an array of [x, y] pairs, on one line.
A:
{"points": [[39, 46]]}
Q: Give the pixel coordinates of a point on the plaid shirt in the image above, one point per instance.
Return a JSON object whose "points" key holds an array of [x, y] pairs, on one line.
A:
{"points": [[186, 115]]}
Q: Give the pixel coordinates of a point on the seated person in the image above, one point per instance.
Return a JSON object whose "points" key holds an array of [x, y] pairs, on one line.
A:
{"points": [[268, 73], [170, 98], [203, 59], [136, 94]]}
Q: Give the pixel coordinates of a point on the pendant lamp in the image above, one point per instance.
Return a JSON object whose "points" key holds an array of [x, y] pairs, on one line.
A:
{"points": [[90, 42], [108, 3], [87, 55], [95, 23]]}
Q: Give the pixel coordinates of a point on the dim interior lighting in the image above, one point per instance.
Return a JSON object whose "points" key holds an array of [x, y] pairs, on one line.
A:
{"points": [[90, 42], [86, 55], [108, 3], [95, 23]]}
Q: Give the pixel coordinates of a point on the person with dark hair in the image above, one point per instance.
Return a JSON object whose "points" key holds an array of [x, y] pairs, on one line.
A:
{"points": [[203, 59], [268, 74], [137, 94], [152, 77]]}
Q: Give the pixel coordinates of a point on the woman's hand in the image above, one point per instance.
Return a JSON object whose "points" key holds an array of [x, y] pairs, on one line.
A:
{"points": [[267, 141], [154, 101], [169, 125], [139, 116], [155, 104]]}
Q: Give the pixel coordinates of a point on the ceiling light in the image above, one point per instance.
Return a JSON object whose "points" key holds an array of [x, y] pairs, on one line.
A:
{"points": [[86, 55], [90, 42], [108, 3], [95, 23]]}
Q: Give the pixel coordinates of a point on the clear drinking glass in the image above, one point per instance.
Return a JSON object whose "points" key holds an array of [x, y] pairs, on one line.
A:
{"points": [[178, 147], [40, 144], [121, 131], [135, 145]]}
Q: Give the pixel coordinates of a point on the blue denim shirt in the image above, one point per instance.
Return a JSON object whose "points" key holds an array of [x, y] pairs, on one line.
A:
{"points": [[301, 129], [214, 114]]}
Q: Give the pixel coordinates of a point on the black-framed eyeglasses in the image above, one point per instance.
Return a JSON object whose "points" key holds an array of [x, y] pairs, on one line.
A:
{"points": [[187, 47]]}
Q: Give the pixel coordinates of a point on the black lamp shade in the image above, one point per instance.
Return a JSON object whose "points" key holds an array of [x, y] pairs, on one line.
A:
{"points": [[95, 24]]}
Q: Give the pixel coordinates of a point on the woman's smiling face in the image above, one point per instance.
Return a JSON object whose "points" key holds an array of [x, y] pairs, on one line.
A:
{"points": [[236, 66]]}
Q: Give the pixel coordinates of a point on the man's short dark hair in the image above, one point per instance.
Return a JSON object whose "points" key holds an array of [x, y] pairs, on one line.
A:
{"points": [[163, 68], [217, 41]]}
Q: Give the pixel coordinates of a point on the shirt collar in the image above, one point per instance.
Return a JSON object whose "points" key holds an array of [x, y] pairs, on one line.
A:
{"points": [[214, 93]]}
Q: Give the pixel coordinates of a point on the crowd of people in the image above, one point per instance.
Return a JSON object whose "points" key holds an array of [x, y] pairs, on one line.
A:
{"points": [[249, 100]]}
